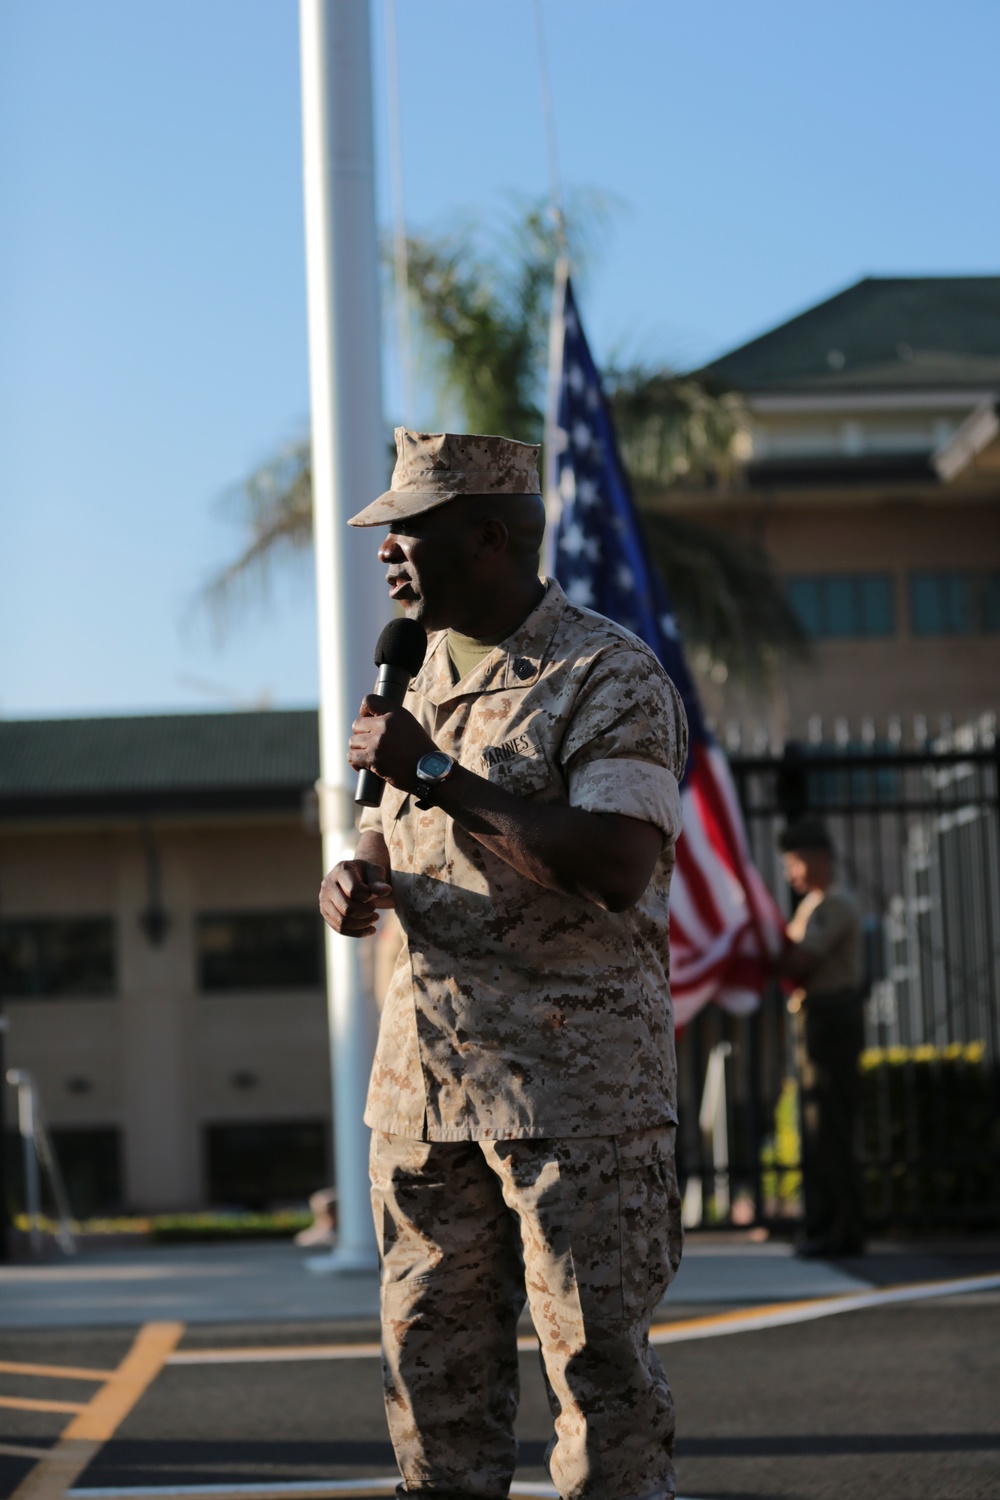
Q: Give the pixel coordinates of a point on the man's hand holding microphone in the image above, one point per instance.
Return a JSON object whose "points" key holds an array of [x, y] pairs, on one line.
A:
{"points": [[386, 743]]}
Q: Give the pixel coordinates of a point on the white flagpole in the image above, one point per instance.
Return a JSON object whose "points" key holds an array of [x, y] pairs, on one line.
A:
{"points": [[554, 437], [400, 253], [348, 470]]}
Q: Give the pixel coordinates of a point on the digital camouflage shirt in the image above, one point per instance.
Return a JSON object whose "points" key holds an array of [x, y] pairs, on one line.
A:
{"points": [[516, 1011]]}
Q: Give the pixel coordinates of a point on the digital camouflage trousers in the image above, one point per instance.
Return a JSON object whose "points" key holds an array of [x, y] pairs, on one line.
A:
{"points": [[588, 1231]]}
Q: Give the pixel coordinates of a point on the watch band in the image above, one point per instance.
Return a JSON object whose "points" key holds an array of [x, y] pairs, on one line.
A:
{"points": [[429, 783]]}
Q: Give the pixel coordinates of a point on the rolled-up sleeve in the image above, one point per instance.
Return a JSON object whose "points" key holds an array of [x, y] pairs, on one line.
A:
{"points": [[636, 788], [625, 747]]}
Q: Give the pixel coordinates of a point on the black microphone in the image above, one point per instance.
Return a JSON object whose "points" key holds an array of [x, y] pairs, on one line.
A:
{"points": [[399, 655]]}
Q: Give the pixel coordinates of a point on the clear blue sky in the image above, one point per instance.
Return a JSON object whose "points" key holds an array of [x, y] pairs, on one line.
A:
{"points": [[152, 305]]}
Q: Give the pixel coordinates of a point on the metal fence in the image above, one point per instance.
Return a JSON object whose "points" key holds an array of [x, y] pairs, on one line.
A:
{"points": [[918, 838]]}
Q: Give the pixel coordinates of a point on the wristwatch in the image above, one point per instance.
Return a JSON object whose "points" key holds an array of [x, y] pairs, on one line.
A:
{"points": [[432, 769]]}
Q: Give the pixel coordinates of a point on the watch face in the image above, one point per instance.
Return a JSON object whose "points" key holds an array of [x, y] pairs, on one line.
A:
{"points": [[435, 764]]}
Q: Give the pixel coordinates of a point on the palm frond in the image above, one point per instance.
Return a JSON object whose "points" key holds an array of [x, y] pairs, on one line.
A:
{"points": [[675, 428], [482, 296], [273, 505], [482, 301]]}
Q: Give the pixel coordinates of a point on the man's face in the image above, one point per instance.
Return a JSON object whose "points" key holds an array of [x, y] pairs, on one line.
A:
{"points": [[428, 568], [806, 869]]}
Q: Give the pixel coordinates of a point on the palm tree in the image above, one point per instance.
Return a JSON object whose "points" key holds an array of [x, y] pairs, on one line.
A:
{"points": [[483, 320], [273, 506], [484, 316]]}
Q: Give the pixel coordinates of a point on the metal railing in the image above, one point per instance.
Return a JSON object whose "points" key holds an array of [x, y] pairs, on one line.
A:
{"points": [[918, 837], [39, 1158]]}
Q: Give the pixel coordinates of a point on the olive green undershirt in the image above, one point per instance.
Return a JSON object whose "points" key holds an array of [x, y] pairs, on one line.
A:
{"points": [[466, 652]]}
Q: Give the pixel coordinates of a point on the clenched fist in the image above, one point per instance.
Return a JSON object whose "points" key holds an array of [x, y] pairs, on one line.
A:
{"points": [[352, 895]]}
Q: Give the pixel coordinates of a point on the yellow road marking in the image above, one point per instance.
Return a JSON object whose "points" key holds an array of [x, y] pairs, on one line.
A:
{"points": [[310, 1489], [27, 1403], [724, 1320], [18, 1450], [781, 1314], [744, 1319], [269, 1353], [53, 1475], [302, 1489], [59, 1372], [111, 1405], [59, 1470]]}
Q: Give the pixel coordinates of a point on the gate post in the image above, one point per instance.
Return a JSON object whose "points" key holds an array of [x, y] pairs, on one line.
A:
{"points": [[792, 788]]}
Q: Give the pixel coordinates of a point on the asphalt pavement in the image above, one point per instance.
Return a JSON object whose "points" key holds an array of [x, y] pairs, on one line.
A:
{"points": [[890, 1399]]}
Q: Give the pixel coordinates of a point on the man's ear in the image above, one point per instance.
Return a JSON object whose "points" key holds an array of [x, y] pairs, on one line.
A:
{"points": [[492, 538]]}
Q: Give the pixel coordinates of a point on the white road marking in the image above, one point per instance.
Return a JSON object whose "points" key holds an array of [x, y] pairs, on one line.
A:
{"points": [[751, 1320], [17, 1450], [315, 1488], [746, 1320], [21, 1275]]}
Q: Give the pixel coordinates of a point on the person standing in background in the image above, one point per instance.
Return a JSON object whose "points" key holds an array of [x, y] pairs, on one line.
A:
{"points": [[824, 959]]}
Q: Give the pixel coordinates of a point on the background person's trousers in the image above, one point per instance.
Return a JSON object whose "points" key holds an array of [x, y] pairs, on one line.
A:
{"points": [[590, 1230], [831, 1038]]}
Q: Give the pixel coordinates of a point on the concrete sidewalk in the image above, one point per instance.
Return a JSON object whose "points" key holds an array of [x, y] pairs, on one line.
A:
{"points": [[266, 1282]]}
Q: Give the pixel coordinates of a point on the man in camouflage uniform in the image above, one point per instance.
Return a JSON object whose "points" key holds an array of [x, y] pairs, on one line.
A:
{"points": [[522, 1100]]}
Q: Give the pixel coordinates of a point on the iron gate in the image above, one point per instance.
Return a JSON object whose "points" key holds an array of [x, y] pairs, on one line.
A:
{"points": [[918, 840]]}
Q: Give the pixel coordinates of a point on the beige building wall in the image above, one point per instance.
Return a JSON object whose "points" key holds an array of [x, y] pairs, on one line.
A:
{"points": [[159, 1057], [905, 675]]}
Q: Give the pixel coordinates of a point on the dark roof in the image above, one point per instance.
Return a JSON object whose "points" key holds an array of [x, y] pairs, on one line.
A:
{"points": [[168, 762], [884, 333]]}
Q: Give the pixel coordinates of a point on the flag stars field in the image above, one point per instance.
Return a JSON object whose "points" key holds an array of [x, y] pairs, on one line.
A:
{"points": [[573, 542], [581, 592], [725, 926]]}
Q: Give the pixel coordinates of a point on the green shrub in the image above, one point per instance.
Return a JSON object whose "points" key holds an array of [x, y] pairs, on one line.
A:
{"points": [[930, 1139], [177, 1228], [183, 1228], [781, 1177], [931, 1134]]}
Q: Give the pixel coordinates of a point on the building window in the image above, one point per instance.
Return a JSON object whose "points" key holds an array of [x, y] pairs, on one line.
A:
{"points": [[91, 1164], [991, 603], [90, 1160], [266, 950], [955, 603], [46, 958], [265, 1165], [832, 605]]}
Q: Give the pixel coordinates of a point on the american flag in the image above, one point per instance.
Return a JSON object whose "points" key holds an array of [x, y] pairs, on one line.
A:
{"points": [[725, 927]]}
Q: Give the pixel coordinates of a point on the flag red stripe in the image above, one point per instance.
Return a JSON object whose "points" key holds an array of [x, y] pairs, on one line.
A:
{"points": [[706, 868]]}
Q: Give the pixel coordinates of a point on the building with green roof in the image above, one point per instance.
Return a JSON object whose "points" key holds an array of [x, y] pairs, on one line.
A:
{"points": [[872, 477], [161, 954]]}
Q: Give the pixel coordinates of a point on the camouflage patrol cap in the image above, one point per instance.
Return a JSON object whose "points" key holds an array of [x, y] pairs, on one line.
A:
{"points": [[434, 467]]}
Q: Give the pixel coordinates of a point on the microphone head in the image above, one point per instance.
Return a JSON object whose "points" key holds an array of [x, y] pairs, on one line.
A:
{"points": [[403, 643]]}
